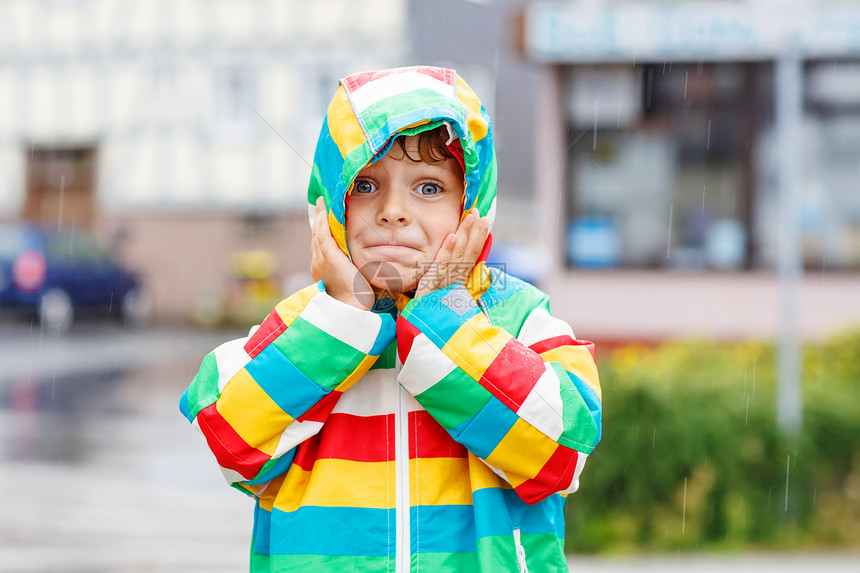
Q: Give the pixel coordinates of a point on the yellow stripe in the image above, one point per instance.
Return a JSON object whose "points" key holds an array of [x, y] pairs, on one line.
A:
{"points": [[289, 308], [524, 448], [332, 483], [579, 362], [475, 345], [268, 491], [343, 125], [479, 280], [359, 371], [338, 232], [477, 125], [439, 481], [481, 476], [242, 395]]}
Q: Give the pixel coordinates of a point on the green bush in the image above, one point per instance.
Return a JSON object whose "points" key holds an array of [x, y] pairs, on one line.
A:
{"points": [[691, 456]]}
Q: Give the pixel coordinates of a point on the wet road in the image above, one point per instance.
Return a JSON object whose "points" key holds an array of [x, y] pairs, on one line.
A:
{"points": [[99, 471]]}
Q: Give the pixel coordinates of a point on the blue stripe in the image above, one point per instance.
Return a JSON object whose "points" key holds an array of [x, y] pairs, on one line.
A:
{"points": [[434, 319], [380, 137], [183, 405], [329, 162], [262, 530], [279, 467], [387, 334], [333, 531], [492, 506], [544, 517], [482, 432], [442, 529], [291, 390], [588, 395]]}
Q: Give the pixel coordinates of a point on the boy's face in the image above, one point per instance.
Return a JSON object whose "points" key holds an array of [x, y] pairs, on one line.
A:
{"points": [[398, 214]]}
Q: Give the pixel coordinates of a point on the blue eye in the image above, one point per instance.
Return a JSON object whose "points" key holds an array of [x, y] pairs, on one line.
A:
{"points": [[363, 186], [429, 189]]}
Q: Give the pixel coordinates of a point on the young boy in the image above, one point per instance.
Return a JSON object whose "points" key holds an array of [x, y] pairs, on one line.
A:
{"points": [[413, 410]]}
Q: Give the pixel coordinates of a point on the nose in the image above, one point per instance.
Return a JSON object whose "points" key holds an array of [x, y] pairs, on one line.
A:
{"points": [[393, 210]]}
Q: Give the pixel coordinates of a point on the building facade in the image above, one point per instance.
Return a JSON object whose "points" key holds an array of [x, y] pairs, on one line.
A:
{"points": [[700, 165], [180, 132]]}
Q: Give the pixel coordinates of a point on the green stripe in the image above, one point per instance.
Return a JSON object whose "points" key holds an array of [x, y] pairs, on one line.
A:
{"points": [[445, 562], [378, 114], [498, 553], [322, 563], [354, 162], [388, 358], [318, 355], [579, 432], [544, 552], [454, 399], [203, 390]]}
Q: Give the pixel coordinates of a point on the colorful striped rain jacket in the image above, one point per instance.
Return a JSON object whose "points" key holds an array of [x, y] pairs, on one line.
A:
{"points": [[442, 436]]}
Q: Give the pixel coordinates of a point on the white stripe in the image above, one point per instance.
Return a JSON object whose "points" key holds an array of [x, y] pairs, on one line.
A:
{"points": [[542, 408], [424, 366], [230, 358], [232, 476], [370, 396], [392, 85], [574, 482], [491, 214], [351, 325], [295, 434], [540, 325]]}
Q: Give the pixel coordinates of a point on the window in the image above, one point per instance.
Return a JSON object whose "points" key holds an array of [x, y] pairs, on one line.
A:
{"points": [[660, 171]]}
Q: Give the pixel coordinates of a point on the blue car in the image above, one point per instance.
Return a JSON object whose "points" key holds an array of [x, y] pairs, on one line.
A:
{"points": [[56, 275]]}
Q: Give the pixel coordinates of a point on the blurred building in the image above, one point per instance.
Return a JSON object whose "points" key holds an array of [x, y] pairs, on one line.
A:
{"points": [[638, 147], [179, 131], [662, 165]]}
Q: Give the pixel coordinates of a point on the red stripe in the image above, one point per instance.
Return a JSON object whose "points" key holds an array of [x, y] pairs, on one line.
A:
{"points": [[430, 440], [357, 438], [356, 81], [559, 341], [306, 453], [555, 476], [320, 411], [513, 374], [271, 328], [406, 333], [231, 451]]}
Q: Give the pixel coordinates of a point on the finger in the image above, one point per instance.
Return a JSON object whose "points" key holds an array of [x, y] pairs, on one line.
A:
{"points": [[477, 238], [463, 237]]}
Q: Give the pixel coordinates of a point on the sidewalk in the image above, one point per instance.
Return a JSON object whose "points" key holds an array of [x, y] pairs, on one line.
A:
{"points": [[747, 563]]}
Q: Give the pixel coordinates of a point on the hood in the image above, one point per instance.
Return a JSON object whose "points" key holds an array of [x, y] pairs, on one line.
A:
{"points": [[370, 109]]}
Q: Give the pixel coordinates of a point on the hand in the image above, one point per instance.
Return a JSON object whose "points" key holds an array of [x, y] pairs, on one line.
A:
{"points": [[457, 255], [328, 264]]}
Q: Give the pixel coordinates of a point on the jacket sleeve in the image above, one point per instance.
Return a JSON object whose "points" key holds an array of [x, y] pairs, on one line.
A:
{"points": [[255, 399], [529, 406]]}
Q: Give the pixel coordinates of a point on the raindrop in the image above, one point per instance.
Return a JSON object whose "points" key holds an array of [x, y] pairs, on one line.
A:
{"points": [[787, 467], [704, 188], [669, 238], [684, 512], [62, 198], [686, 78], [708, 146], [747, 418]]}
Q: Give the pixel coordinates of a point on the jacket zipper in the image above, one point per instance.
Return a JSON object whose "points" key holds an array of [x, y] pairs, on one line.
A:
{"points": [[401, 485], [521, 552]]}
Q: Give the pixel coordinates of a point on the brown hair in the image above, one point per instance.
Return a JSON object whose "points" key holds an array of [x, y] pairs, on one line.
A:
{"points": [[431, 146]]}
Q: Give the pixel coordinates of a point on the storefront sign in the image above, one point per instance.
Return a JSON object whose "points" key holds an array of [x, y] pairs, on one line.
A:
{"points": [[658, 31]]}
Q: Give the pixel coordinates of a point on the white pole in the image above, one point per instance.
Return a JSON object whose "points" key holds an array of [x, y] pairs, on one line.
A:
{"points": [[789, 113]]}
